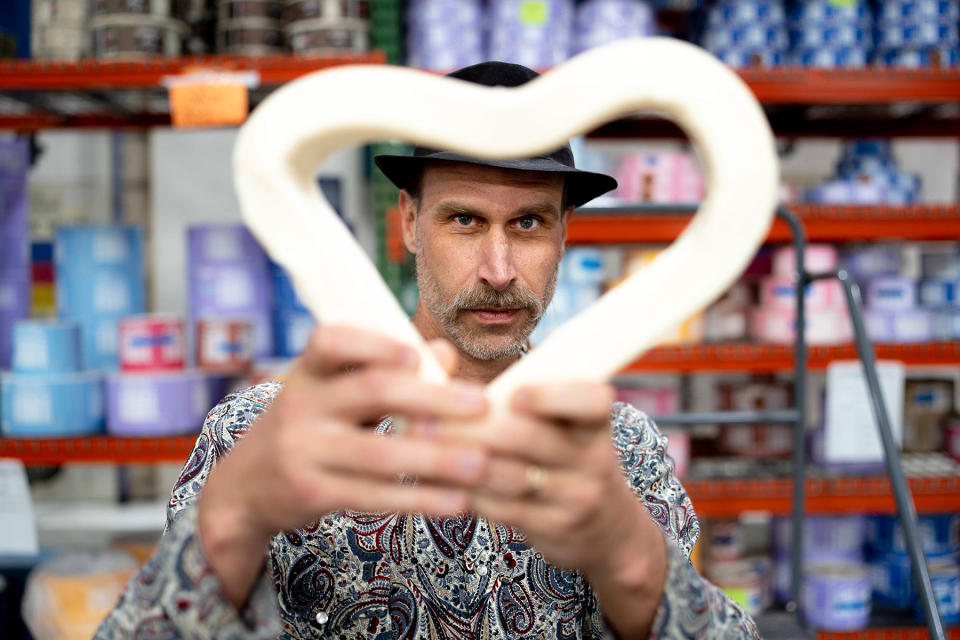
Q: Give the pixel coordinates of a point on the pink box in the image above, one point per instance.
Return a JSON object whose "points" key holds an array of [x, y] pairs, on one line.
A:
{"points": [[653, 400], [779, 292], [817, 258], [151, 343], [777, 326]]}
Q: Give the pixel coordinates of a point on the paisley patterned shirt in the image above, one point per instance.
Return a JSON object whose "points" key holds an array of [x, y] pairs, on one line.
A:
{"points": [[397, 576]]}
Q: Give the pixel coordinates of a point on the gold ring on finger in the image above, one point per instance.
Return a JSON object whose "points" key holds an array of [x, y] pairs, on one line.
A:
{"points": [[535, 478]]}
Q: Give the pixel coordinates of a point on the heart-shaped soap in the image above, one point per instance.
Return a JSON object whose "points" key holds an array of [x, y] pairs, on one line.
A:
{"points": [[288, 135]]}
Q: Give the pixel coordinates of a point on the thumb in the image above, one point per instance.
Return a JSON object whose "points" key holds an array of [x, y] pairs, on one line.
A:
{"points": [[446, 354]]}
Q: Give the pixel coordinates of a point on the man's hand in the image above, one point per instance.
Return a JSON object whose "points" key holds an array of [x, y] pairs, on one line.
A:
{"points": [[555, 475], [313, 451]]}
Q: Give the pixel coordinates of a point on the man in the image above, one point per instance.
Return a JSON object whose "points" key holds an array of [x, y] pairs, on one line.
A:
{"points": [[561, 530]]}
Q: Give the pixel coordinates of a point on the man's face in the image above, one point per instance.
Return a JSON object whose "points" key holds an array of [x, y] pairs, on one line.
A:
{"points": [[488, 243]]}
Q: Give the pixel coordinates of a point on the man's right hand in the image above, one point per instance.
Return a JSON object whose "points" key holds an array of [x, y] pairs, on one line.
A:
{"points": [[313, 452]]}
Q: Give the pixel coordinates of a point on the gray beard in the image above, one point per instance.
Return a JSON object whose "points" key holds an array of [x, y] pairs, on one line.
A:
{"points": [[473, 342]]}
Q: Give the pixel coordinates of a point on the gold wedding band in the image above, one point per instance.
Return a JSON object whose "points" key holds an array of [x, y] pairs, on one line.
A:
{"points": [[536, 478]]}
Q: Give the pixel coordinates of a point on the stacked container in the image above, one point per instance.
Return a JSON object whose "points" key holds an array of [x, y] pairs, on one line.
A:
{"points": [[130, 29], [828, 34], [535, 33], [444, 35], [867, 174], [99, 279], [292, 322], [58, 29], [599, 22], [14, 241], [747, 33], [663, 177], [154, 395], [890, 569], [918, 33], [250, 27], [322, 27], [229, 285], [48, 394]]}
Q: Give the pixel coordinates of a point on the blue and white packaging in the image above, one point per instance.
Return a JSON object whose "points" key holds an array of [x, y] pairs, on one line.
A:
{"points": [[936, 293], [831, 12], [940, 261], [746, 59], [46, 346], [292, 331], [842, 35], [890, 293], [917, 34], [945, 325], [871, 261], [945, 580], [830, 57], [110, 290], [732, 12], [747, 37], [52, 405], [939, 534], [583, 265], [898, 10], [89, 247], [934, 57]]}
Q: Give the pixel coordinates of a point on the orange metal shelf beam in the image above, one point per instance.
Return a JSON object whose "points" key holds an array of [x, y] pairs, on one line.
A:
{"points": [[760, 358], [44, 75], [875, 85], [886, 633], [97, 449], [728, 498], [823, 223]]}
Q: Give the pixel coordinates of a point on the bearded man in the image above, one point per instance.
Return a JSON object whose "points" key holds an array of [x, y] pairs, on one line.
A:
{"points": [[298, 515]]}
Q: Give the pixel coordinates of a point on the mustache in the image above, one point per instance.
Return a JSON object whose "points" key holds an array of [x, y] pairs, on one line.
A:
{"points": [[484, 297]]}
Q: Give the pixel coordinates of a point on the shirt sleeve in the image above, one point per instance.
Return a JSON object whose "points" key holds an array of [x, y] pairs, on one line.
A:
{"points": [[691, 606], [176, 593]]}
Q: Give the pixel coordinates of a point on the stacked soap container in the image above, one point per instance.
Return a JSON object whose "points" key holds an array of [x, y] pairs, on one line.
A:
{"points": [[99, 279], [154, 395], [229, 290], [48, 394]]}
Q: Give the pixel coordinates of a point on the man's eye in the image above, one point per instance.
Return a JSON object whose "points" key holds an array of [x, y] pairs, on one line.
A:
{"points": [[463, 219], [528, 222]]}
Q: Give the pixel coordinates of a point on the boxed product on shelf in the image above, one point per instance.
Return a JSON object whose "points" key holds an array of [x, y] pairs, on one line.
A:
{"points": [[866, 173], [660, 177], [829, 35], [599, 22], [926, 406], [756, 440], [324, 36], [224, 345], [537, 34], [229, 279], [99, 279], [152, 343], [157, 403], [58, 29], [133, 36], [917, 34], [836, 597], [747, 34], [48, 393], [443, 35]]}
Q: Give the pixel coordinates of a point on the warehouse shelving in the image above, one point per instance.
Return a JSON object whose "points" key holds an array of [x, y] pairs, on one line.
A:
{"points": [[823, 223], [41, 94], [768, 358], [28, 105], [885, 633], [94, 449], [725, 498]]}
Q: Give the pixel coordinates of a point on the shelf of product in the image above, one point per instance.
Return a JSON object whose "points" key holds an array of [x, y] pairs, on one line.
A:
{"points": [[722, 498], [766, 358], [823, 223]]}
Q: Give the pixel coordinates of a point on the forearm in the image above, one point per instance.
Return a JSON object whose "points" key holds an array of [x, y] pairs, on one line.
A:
{"points": [[235, 551], [630, 585]]}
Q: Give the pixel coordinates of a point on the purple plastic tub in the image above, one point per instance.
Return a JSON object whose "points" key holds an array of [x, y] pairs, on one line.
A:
{"points": [[158, 404]]}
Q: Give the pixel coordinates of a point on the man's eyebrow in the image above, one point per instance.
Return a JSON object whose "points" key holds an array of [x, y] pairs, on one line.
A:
{"points": [[545, 208]]}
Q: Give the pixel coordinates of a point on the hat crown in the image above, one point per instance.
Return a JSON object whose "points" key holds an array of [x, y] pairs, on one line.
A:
{"points": [[495, 74]]}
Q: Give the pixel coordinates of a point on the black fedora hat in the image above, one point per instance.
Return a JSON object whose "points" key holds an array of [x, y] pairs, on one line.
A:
{"points": [[582, 186]]}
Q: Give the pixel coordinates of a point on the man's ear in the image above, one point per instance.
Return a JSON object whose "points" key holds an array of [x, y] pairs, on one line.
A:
{"points": [[408, 220], [565, 222]]}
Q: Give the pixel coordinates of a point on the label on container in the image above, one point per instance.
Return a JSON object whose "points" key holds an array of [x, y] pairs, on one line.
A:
{"points": [[851, 429], [206, 99], [139, 404], [32, 405]]}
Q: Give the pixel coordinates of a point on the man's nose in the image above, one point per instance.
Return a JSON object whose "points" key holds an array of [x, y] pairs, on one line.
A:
{"points": [[496, 266]]}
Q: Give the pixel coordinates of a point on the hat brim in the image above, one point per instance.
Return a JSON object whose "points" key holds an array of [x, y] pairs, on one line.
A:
{"points": [[582, 186]]}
